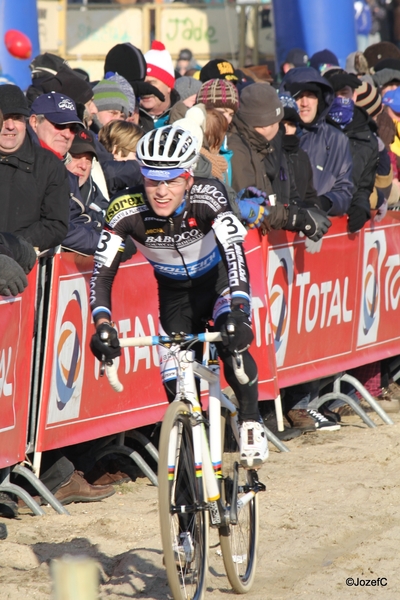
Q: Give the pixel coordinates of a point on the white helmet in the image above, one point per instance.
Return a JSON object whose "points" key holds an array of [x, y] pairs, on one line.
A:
{"points": [[168, 147]]}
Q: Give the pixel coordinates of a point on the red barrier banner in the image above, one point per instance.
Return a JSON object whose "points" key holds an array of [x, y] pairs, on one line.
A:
{"points": [[333, 310], [16, 348], [76, 405]]}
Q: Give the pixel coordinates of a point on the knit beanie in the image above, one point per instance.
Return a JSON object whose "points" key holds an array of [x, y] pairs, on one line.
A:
{"points": [[68, 83], [220, 93], [380, 51], [126, 88], [368, 97], [13, 101], [260, 105], [159, 64], [109, 96], [218, 68], [187, 86], [290, 108], [127, 60], [323, 57]]}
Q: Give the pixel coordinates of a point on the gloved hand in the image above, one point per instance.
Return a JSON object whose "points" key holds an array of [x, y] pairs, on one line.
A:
{"points": [[236, 332], [311, 221], [252, 193], [381, 212], [251, 202], [13, 280], [357, 218], [142, 88], [130, 249], [22, 251], [105, 343]]}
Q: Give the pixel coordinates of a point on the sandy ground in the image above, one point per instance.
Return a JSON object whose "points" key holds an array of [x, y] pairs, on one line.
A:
{"points": [[331, 512]]}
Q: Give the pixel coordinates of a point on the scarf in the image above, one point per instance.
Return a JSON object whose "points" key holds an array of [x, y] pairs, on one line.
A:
{"points": [[341, 111]]}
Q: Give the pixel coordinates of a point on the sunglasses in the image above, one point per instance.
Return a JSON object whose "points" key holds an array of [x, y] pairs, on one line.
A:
{"points": [[73, 127]]}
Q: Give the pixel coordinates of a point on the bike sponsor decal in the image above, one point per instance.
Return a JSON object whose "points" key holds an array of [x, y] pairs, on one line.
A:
{"points": [[374, 255], [69, 351], [280, 281]]}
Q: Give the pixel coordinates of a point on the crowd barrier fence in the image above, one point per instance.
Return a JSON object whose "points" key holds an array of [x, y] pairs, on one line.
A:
{"points": [[313, 315]]}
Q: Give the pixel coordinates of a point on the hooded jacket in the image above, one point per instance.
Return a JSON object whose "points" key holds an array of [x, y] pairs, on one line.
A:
{"points": [[327, 147]]}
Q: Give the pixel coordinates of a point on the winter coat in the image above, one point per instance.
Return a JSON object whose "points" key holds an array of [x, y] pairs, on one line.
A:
{"points": [[327, 147], [364, 149], [34, 195]]}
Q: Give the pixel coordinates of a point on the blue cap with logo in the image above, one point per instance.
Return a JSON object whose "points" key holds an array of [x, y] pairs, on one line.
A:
{"points": [[57, 109], [392, 99]]}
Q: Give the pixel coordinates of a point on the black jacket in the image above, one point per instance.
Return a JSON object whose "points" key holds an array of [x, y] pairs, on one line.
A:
{"points": [[364, 150], [300, 166], [34, 195]]}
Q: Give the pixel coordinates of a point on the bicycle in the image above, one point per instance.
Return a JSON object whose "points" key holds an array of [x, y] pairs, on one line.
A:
{"points": [[201, 480]]}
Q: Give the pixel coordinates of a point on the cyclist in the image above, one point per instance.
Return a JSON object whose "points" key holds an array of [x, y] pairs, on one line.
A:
{"points": [[186, 229]]}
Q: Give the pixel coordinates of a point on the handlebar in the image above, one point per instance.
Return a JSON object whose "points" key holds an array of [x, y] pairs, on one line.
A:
{"points": [[181, 340]]}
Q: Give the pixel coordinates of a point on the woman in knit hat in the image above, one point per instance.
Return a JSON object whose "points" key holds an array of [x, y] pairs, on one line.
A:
{"points": [[223, 96], [220, 94]]}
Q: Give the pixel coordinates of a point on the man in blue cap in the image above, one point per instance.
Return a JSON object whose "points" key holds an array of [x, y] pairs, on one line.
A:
{"points": [[54, 123]]}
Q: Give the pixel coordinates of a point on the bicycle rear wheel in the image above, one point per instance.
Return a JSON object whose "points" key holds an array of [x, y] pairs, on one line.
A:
{"points": [[239, 540], [182, 509]]}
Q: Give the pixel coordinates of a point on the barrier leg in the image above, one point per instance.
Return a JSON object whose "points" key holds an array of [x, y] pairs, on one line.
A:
{"points": [[135, 456], [339, 396], [279, 413], [367, 396], [6, 486], [142, 439], [41, 488], [275, 440]]}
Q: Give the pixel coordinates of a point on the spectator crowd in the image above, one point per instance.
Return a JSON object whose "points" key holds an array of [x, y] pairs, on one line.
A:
{"points": [[322, 142]]}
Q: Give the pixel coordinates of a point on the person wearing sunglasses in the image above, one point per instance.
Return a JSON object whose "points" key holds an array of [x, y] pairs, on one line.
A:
{"points": [[184, 226], [53, 124]]}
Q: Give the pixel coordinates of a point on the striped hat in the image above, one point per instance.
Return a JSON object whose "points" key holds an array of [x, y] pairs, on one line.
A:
{"points": [[109, 96], [369, 99], [220, 93]]}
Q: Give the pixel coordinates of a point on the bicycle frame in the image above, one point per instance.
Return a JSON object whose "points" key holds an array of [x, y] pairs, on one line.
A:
{"points": [[208, 455]]}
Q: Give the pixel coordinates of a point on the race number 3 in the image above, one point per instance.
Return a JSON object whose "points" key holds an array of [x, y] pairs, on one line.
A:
{"points": [[229, 230], [107, 248]]}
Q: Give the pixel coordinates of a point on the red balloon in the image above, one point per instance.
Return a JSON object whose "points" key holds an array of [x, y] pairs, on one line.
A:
{"points": [[18, 44]]}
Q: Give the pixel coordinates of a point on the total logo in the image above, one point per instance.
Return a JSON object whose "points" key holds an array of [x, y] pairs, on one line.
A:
{"points": [[374, 254], [69, 351], [280, 278]]}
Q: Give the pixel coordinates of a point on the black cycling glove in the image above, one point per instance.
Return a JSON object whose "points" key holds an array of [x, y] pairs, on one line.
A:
{"points": [[236, 332], [13, 280], [311, 221], [105, 343]]}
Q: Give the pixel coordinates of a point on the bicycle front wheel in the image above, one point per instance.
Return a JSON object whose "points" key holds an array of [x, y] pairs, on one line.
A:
{"points": [[182, 507], [239, 540]]}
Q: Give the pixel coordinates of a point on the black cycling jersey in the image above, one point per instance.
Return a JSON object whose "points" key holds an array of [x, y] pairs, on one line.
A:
{"points": [[185, 249]]}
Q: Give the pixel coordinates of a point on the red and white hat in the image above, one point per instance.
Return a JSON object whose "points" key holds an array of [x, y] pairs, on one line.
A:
{"points": [[159, 64]]}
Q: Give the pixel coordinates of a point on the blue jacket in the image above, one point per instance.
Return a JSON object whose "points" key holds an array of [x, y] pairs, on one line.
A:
{"points": [[327, 147]]}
